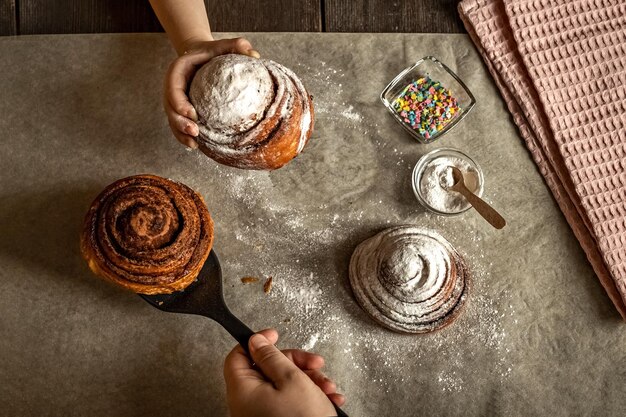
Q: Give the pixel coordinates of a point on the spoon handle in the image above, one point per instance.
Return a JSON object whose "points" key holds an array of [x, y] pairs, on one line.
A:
{"points": [[489, 213]]}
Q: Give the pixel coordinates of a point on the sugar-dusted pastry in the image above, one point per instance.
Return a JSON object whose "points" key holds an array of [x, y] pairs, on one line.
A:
{"points": [[409, 279], [148, 234], [252, 113]]}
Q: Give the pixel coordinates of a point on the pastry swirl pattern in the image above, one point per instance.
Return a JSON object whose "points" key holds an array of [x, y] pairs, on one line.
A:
{"points": [[253, 113], [148, 234], [409, 279]]}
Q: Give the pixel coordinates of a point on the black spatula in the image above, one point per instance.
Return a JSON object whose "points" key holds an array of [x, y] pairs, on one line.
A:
{"points": [[204, 297]]}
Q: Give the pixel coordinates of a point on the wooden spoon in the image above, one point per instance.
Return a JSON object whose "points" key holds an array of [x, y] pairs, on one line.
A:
{"points": [[484, 209]]}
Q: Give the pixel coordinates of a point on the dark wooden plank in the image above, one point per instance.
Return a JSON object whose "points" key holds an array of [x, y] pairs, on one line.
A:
{"points": [[89, 16], [427, 16], [265, 15], [8, 25], [86, 16], [93, 16]]}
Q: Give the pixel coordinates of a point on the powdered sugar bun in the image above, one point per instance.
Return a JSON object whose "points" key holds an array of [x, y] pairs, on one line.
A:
{"points": [[409, 279], [253, 113]]}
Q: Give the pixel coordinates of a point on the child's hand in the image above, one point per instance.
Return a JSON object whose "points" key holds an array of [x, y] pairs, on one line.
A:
{"points": [[290, 385], [180, 113]]}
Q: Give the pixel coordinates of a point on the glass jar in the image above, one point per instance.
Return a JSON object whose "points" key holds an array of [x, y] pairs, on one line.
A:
{"points": [[431, 177], [437, 72]]}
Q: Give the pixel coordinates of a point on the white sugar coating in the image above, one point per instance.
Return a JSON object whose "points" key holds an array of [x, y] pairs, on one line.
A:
{"points": [[408, 278], [300, 91], [405, 265], [436, 180], [242, 102], [231, 93], [305, 126]]}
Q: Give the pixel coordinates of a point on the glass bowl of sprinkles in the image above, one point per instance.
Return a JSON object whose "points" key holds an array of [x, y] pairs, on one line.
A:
{"points": [[428, 99]]}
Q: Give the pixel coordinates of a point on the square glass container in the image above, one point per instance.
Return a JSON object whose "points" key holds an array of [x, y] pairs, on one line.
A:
{"points": [[437, 71]]}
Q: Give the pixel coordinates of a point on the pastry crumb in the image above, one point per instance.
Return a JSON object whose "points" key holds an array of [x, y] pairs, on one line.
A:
{"points": [[267, 287], [249, 280]]}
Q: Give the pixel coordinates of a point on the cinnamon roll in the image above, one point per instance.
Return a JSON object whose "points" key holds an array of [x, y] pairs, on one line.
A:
{"points": [[409, 279], [252, 113], [148, 234]]}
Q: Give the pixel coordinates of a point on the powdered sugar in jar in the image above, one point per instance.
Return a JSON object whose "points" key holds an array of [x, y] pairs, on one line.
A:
{"points": [[432, 179]]}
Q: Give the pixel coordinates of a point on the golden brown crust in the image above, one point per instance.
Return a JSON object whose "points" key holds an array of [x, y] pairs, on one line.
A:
{"points": [[278, 143], [147, 234]]}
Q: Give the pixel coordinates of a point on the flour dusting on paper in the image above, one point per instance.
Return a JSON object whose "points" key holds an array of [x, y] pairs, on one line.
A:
{"points": [[303, 237]]}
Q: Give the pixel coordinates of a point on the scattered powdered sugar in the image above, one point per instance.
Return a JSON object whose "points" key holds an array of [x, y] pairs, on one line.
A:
{"points": [[350, 114], [307, 296], [450, 382], [312, 341], [313, 310], [311, 303], [328, 97]]}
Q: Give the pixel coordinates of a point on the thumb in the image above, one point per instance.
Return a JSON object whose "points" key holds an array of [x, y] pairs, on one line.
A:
{"points": [[235, 46], [272, 362]]}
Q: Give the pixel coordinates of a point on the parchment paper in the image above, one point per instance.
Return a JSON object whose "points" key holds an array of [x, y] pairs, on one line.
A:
{"points": [[538, 336]]}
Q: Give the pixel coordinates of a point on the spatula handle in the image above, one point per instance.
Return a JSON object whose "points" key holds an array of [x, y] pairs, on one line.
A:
{"points": [[340, 412], [236, 328]]}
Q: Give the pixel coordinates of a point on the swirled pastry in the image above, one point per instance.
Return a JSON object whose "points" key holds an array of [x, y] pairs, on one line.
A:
{"points": [[148, 234], [409, 279], [252, 113]]}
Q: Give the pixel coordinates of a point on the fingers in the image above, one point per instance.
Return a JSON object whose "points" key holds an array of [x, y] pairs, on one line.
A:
{"points": [[304, 360], [322, 381], [270, 334], [327, 386], [281, 368], [176, 81], [186, 140], [183, 129], [272, 362], [235, 46], [180, 112], [239, 372], [196, 57], [338, 399], [181, 123]]}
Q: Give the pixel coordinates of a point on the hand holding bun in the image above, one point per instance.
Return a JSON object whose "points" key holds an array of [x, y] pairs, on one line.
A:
{"points": [[148, 234], [180, 113], [252, 113]]}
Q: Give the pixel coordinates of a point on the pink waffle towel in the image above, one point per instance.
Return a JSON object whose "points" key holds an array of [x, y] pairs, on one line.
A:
{"points": [[561, 68]]}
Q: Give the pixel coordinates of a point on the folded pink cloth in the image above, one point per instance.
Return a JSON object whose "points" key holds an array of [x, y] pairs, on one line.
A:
{"points": [[561, 68]]}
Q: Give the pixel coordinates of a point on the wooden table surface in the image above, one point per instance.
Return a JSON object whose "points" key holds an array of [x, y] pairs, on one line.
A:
{"points": [[96, 16], [538, 337]]}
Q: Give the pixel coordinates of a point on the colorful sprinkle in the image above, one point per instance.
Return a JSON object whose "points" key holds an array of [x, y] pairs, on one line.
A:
{"points": [[426, 106]]}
